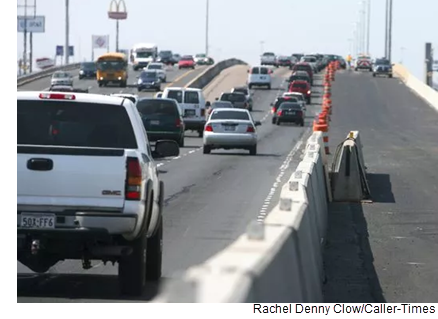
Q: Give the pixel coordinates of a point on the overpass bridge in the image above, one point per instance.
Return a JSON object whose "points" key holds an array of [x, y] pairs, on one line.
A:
{"points": [[312, 250]]}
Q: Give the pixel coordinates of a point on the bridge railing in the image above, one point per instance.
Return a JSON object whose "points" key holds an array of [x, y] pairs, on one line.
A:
{"points": [[25, 79]]}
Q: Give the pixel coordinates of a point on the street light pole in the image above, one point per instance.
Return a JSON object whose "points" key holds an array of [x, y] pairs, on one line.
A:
{"points": [[67, 32], [390, 32], [386, 27], [368, 26], [206, 27], [117, 35]]}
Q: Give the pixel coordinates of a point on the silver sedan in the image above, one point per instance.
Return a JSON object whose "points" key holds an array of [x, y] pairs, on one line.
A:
{"points": [[229, 128], [61, 78]]}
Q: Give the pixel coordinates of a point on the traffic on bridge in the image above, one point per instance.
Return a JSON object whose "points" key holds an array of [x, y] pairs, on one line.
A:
{"points": [[296, 170]]}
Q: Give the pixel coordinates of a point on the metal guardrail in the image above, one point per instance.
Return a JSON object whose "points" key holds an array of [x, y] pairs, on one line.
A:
{"points": [[25, 79]]}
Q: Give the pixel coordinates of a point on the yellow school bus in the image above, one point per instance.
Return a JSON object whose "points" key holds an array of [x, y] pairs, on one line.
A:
{"points": [[112, 68]]}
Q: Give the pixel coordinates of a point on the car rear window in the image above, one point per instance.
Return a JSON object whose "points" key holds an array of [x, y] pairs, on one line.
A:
{"points": [[229, 115], [223, 104], [241, 90], [78, 124], [191, 97], [175, 94], [303, 67], [264, 71], [255, 71], [299, 85], [290, 106], [157, 107], [268, 54], [282, 100], [233, 97]]}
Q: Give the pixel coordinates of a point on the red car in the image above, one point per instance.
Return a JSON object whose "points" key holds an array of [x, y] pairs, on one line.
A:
{"points": [[304, 67], [186, 62], [302, 87]]}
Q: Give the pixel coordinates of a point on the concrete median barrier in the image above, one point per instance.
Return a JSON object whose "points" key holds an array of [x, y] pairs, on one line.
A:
{"points": [[426, 92], [25, 79], [210, 73], [278, 260]]}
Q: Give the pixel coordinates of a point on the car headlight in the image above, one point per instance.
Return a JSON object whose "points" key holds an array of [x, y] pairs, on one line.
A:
{"points": [[81, 72], [101, 78], [119, 78], [140, 81]]}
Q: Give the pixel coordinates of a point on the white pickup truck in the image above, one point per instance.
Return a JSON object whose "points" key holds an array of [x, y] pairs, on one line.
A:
{"points": [[88, 187], [269, 58]]}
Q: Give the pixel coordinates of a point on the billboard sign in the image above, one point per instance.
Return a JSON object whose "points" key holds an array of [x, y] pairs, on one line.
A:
{"points": [[36, 24], [435, 65], [115, 10], [59, 50], [100, 41]]}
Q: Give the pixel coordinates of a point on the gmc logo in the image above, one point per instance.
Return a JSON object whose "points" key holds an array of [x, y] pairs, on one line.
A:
{"points": [[111, 193]]}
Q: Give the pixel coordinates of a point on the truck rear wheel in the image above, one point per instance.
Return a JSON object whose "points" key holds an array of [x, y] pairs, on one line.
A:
{"points": [[132, 268]]}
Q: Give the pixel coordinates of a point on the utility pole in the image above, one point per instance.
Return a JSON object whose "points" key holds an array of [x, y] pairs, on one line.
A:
{"points": [[206, 27], [117, 35], [386, 27], [390, 32], [25, 38], [67, 32], [368, 26], [429, 64]]}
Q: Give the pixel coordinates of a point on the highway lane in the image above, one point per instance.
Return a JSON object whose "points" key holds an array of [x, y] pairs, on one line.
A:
{"points": [[387, 250], [210, 199], [180, 77]]}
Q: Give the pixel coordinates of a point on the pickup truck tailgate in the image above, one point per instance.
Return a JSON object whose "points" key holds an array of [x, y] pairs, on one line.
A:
{"points": [[73, 180]]}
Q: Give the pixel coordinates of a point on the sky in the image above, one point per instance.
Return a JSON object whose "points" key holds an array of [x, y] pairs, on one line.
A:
{"points": [[237, 27]]}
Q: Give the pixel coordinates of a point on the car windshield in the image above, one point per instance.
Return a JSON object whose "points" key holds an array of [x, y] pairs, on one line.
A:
{"points": [[88, 66], [241, 90], [60, 75], [290, 106], [284, 58], [229, 115], [148, 75], [77, 124], [383, 62], [111, 65], [144, 55], [175, 94], [299, 85], [233, 97], [187, 58], [268, 54], [157, 107], [200, 55], [302, 67], [155, 67]]}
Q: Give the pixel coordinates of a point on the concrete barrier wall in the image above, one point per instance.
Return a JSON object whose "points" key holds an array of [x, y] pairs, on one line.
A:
{"points": [[429, 94], [210, 73], [279, 260], [25, 79]]}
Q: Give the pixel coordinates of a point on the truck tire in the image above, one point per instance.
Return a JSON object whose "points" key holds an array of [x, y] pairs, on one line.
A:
{"points": [[132, 268], [154, 253]]}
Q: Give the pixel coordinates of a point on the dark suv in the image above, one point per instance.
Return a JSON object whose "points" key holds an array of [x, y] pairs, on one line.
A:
{"points": [[304, 67], [87, 70], [162, 119], [382, 67]]}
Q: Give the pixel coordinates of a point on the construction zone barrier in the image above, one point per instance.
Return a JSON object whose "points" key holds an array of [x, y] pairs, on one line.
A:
{"points": [[276, 260], [348, 172]]}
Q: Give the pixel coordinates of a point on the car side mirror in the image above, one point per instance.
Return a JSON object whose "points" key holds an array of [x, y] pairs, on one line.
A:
{"points": [[257, 123], [247, 71], [165, 148], [207, 104], [217, 99], [272, 104]]}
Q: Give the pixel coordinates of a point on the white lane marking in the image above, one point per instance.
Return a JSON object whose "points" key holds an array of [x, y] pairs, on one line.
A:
{"points": [[284, 166]]}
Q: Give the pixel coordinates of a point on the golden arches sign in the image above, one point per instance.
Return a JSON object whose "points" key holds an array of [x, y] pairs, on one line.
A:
{"points": [[114, 11]]}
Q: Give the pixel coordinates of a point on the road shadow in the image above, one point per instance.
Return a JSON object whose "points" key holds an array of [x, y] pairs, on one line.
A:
{"points": [[348, 258], [258, 111], [96, 288], [381, 188], [190, 146]]}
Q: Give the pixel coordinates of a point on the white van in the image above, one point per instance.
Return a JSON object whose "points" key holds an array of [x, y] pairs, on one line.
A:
{"points": [[192, 104], [259, 76]]}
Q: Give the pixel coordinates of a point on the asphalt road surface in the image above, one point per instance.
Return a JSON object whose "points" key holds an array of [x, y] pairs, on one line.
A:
{"points": [[210, 199], [387, 250]]}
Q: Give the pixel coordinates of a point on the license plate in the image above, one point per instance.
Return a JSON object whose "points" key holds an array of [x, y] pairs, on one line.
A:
{"points": [[190, 112], [155, 122], [37, 220], [290, 113], [262, 77], [229, 128]]}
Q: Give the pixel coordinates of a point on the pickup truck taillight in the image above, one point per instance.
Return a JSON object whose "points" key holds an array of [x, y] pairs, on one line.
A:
{"points": [[178, 123], [133, 179]]}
